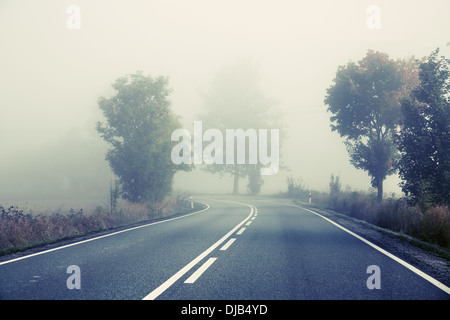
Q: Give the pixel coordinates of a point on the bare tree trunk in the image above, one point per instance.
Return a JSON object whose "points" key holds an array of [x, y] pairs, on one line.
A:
{"points": [[380, 190], [236, 180]]}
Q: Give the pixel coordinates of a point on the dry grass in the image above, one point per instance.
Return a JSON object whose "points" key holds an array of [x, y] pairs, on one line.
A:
{"points": [[431, 225], [427, 224], [20, 230]]}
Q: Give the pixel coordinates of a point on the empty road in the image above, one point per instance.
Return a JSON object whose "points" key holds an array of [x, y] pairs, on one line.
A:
{"points": [[233, 250]]}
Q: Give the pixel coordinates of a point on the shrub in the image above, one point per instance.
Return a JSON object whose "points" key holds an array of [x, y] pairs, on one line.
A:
{"points": [[19, 230], [296, 188], [431, 224], [409, 219], [436, 226], [386, 215]]}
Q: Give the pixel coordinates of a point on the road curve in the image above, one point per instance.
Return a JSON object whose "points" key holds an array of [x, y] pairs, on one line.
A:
{"points": [[242, 249]]}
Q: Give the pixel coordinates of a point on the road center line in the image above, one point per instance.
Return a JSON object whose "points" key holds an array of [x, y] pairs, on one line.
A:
{"points": [[240, 231], [229, 243], [164, 286], [200, 270]]}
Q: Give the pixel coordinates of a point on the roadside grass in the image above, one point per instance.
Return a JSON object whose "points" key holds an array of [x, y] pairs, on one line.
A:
{"points": [[21, 230]]}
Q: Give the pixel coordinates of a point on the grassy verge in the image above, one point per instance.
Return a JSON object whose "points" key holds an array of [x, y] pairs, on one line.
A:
{"points": [[20, 231], [430, 224]]}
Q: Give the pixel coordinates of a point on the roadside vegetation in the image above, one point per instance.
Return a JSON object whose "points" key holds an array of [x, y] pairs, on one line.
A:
{"points": [[137, 125], [21, 229], [395, 118], [422, 220]]}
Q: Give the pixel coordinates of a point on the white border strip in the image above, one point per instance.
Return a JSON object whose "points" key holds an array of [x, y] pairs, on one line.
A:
{"points": [[430, 279], [104, 236]]}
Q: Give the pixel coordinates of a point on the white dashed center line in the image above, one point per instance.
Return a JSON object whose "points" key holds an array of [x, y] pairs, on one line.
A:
{"points": [[200, 270], [229, 243], [164, 286]]}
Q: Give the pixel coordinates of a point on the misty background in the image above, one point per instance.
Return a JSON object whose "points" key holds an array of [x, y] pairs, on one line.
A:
{"points": [[51, 78]]}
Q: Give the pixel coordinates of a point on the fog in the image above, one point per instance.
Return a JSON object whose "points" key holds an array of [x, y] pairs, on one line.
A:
{"points": [[51, 77]]}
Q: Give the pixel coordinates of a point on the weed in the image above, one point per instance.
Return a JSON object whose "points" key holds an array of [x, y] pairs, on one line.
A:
{"points": [[19, 230]]}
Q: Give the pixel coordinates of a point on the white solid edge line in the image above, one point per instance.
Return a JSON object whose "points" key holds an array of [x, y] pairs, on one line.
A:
{"points": [[200, 271], [104, 236], [165, 285], [420, 273], [228, 244]]}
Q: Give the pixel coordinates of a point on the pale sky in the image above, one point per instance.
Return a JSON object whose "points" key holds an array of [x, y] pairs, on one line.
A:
{"points": [[51, 76]]}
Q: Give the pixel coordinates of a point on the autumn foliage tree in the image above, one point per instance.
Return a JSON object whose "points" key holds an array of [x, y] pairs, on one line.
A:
{"points": [[365, 102]]}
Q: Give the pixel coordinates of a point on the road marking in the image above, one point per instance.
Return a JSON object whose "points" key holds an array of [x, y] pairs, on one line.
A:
{"points": [[390, 255], [240, 231], [164, 286], [430, 279], [104, 236], [200, 270], [229, 243], [248, 223], [252, 218]]}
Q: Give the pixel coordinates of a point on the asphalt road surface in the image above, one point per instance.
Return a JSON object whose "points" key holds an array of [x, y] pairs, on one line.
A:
{"points": [[234, 250]]}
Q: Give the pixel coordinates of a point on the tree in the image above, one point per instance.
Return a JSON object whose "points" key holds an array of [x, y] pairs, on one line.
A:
{"points": [[424, 138], [335, 185], [236, 101], [138, 127], [335, 189], [296, 187], [255, 181], [364, 100]]}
